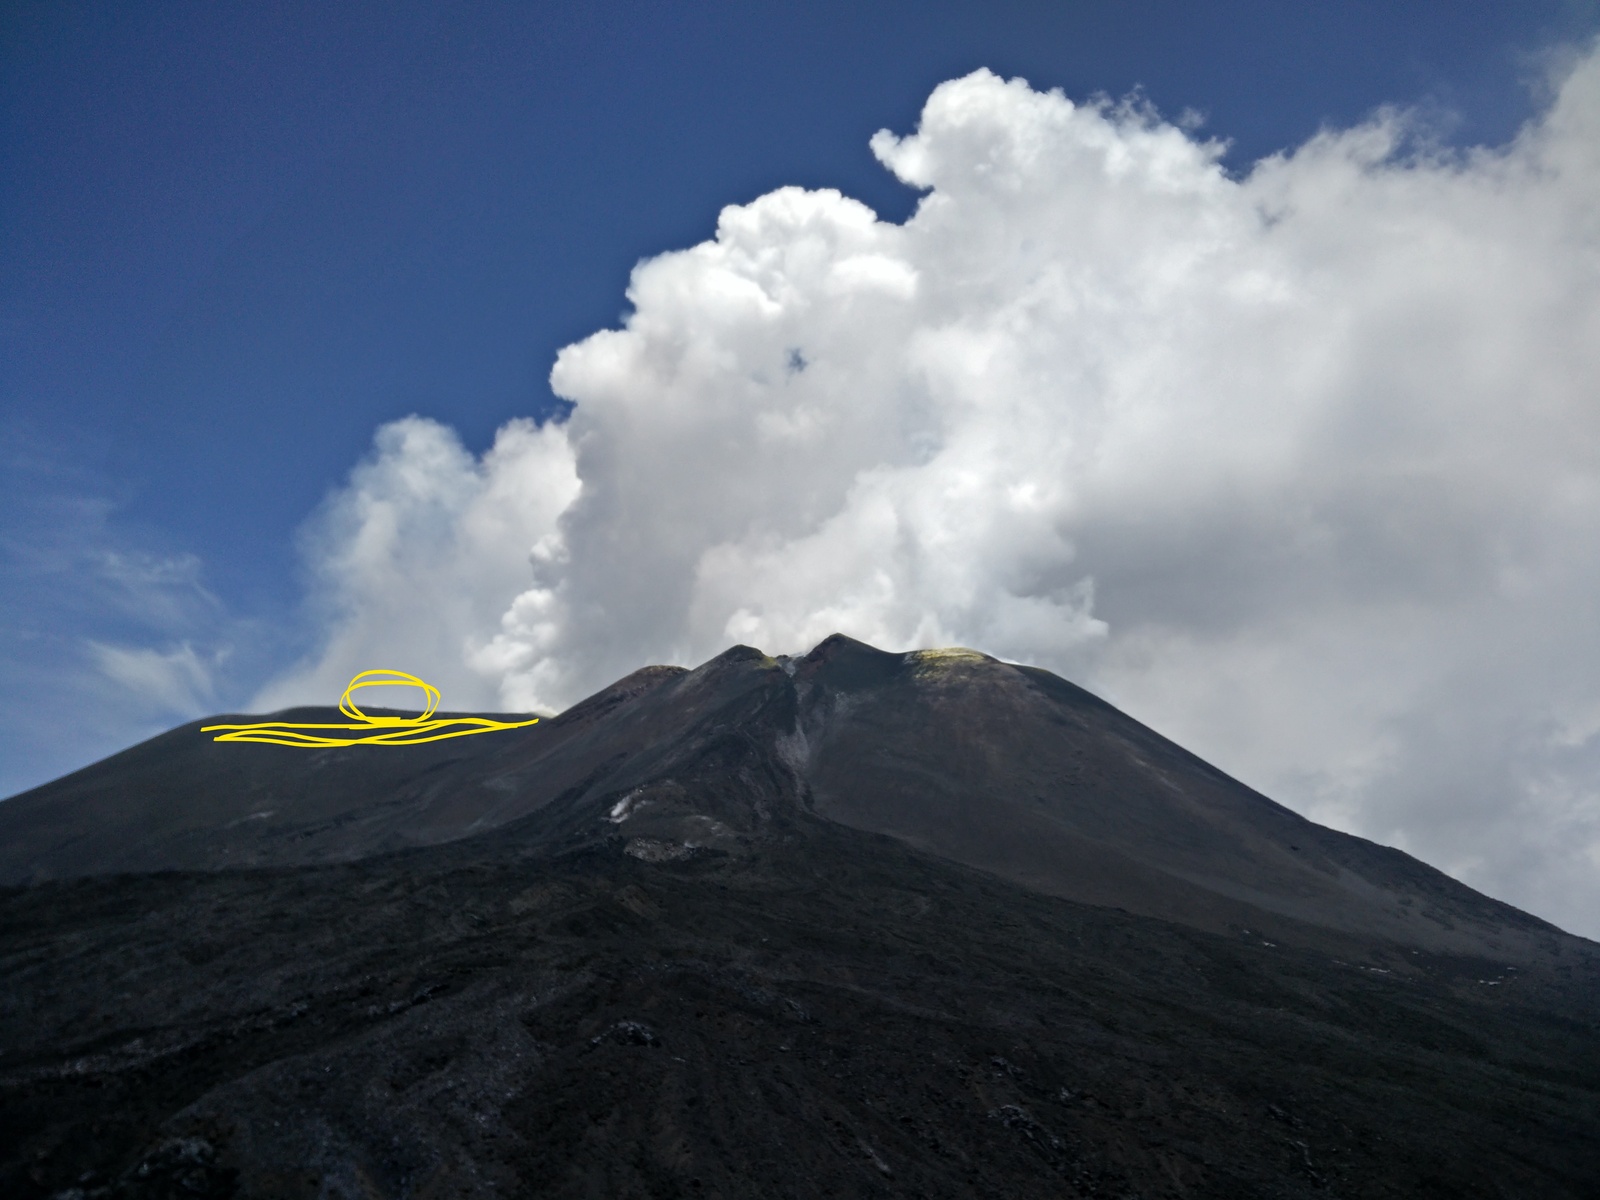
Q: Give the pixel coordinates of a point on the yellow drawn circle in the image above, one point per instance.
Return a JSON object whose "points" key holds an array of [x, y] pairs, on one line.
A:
{"points": [[365, 729], [349, 708]]}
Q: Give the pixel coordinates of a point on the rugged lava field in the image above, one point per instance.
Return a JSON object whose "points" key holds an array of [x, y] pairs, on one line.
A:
{"points": [[834, 1015]]}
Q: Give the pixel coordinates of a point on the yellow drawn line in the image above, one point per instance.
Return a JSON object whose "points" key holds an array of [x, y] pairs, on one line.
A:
{"points": [[367, 730]]}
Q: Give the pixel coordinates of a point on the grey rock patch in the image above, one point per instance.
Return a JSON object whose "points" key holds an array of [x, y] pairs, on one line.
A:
{"points": [[653, 851]]}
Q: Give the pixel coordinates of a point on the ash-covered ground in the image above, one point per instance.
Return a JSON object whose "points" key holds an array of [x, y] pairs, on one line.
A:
{"points": [[833, 1014]]}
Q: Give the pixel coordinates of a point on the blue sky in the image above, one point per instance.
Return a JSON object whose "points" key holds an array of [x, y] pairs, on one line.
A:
{"points": [[235, 242]]}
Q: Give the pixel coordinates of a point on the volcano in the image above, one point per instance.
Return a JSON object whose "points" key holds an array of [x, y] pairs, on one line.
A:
{"points": [[850, 924]]}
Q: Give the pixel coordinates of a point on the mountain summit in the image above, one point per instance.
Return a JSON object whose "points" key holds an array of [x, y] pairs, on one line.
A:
{"points": [[852, 923], [1002, 767]]}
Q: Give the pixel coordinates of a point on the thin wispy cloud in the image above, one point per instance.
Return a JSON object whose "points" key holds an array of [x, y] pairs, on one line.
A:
{"points": [[178, 680], [1300, 466], [107, 638]]}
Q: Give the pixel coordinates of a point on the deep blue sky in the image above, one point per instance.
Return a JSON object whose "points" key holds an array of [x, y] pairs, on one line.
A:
{"points": [[236, 238]]}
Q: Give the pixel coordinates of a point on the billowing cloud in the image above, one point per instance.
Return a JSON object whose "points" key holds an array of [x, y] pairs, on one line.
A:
{"points": [[417, 558], [1301, 467]]}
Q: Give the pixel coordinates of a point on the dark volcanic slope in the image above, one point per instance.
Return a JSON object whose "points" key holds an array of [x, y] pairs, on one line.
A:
{"points": [[182, 800], [1002, 767], [829, 1014], [1018, 771], [660, 946]]}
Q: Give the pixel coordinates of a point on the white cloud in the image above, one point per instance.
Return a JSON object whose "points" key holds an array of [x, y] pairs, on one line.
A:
{"points": [[417, 558], [1302, 467], [176, 681]]}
